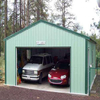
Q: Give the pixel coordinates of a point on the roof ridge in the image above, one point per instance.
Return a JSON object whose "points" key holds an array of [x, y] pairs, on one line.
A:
{"points": [[35, 23]]}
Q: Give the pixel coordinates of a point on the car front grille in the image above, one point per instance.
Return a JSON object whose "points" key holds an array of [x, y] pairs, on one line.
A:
{"points": [[28, 72], [55, 81]]}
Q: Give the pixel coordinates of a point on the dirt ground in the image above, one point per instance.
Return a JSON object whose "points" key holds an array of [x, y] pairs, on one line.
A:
{"points": [[4, 90], [95, 91], [15, 93]]}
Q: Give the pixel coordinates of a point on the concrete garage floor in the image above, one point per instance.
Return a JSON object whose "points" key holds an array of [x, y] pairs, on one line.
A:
{"points": [[45, 86]]}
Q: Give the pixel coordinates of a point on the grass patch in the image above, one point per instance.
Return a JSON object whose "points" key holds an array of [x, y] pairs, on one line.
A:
{"points": [[96, 87], [98, 72], [2, 68], [2, 61]]}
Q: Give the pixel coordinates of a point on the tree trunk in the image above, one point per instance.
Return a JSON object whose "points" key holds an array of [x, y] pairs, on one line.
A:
{"points": [[5, 34], [0, 26], [0, 33], [0, 41], [63, 16], [27, 13], [20, 12], [16, 15], [5, 22], [13, 29], [38, 10], [24, 13], [38, 14]]}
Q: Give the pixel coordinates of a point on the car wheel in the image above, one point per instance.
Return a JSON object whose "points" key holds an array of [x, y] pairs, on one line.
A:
{"points": [[51, 84], [40, 79], [69, 82]]}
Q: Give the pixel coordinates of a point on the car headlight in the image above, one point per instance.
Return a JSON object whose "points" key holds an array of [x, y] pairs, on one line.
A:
{"points": [[35, 72], [23, 71], [63, 77], [49, 75]]}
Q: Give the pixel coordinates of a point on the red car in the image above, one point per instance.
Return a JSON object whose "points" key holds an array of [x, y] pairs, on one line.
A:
{"points": [[60, 74]]}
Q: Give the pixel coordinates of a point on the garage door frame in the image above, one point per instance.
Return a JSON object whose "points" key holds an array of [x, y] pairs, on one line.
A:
{"points": [[41, 47]]}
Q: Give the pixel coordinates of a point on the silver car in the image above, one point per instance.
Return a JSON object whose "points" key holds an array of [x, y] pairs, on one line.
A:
{"points": [[38, 67]]}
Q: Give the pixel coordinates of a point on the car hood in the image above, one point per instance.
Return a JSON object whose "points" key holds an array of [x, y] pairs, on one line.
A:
{"points": [[58, 72], [31, 66]]}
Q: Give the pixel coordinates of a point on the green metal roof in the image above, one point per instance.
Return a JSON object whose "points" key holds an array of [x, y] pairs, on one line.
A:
{"points": [[60, 27]]}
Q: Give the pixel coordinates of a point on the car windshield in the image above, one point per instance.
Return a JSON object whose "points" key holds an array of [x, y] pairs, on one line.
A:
{"points": [[62, 65], [36, 59]]}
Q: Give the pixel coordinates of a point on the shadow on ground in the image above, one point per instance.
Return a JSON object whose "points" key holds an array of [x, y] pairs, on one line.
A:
{"points": [[45, 86], [45, 81]]}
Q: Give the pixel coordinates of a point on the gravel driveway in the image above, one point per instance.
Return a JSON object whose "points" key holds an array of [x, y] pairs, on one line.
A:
{"points": [[15, 93]]}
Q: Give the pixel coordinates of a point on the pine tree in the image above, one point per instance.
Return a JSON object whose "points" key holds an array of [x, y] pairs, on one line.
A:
{"points": [[28, 17], [1, 25], [39, 9], [64, 15], [0, 28], [20, 13], [14, 17], [5, 18]]}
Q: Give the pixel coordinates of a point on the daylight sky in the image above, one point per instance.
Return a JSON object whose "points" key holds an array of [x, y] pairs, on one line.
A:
{"points": [[84, 10]]}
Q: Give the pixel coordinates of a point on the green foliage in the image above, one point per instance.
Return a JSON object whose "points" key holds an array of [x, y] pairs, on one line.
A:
{"points": [[64, 17], [98, 25], [97, 39], [2, 65], [77, 27], [2, 61], [39, 9]]}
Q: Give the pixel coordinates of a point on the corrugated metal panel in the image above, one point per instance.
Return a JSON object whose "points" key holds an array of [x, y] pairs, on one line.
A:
{"points": [[54, 37], [54, 25], [92, 60]]}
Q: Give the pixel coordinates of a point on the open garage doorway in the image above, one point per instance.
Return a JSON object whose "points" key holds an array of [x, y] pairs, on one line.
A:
{"points": [[52, 58]]}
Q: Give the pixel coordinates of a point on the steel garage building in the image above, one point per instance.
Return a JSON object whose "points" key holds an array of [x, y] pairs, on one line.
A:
{"points": [[47, 36]]}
